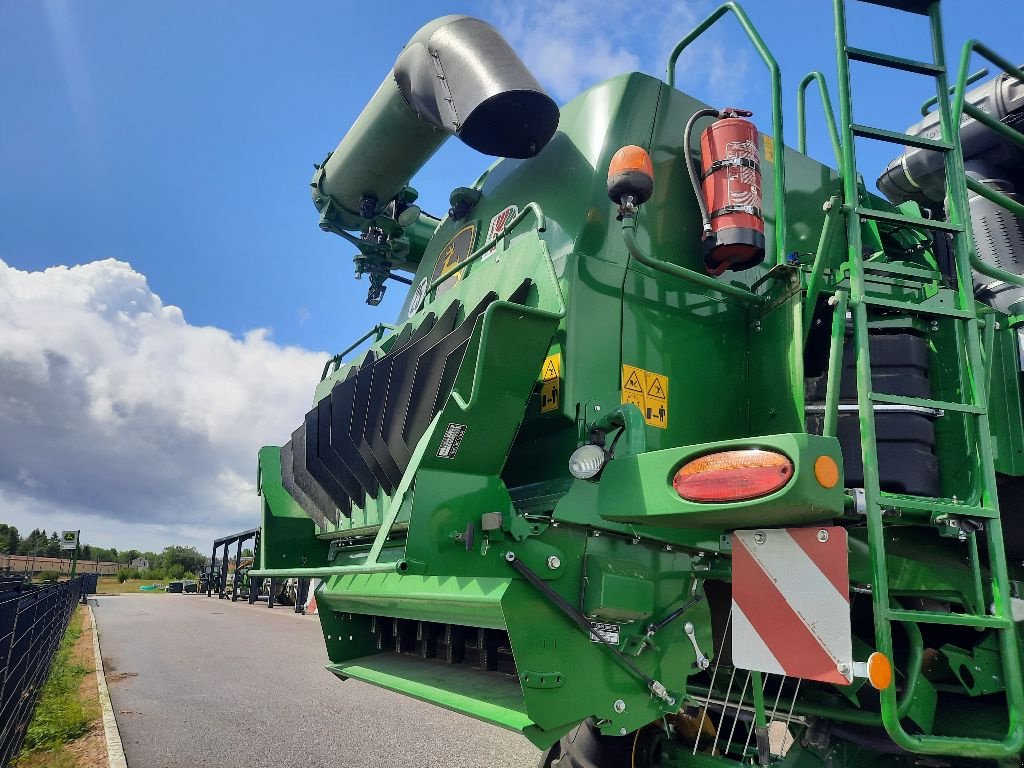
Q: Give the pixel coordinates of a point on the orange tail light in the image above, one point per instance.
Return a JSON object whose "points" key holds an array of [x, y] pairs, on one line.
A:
{"points": [[733, 475]]}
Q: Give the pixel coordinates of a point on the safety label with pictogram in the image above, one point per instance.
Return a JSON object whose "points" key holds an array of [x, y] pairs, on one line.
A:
{"points": [[648, 391], [791, 603], [551, 383]]}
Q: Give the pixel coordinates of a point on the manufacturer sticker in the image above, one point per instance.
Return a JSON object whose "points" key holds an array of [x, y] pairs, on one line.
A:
{"points": [[453, 254], [551, 383], [497, 226], [609, 633], [416, 302], [648, 391], [451, 441]]}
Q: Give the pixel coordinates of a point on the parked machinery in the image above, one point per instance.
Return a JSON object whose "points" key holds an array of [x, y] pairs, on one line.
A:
{"points": [[714, 472]]}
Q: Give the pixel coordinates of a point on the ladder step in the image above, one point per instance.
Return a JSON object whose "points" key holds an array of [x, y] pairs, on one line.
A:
{"points": [[907, 221], [920, 7], [941, 506], [897, 137], [954, 619], [902, 270], [942, 405], [894, 62], [920, 309]]}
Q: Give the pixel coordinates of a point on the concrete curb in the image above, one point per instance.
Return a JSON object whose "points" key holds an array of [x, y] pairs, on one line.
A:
{"points": [[115, 750]]}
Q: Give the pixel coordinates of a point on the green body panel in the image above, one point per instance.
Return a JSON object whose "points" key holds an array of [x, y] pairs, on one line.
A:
{"points": [[447, 551]]}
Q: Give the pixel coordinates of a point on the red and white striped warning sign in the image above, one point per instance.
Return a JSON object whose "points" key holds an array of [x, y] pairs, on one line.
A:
{"points": [[311, 600], [791, 603]]}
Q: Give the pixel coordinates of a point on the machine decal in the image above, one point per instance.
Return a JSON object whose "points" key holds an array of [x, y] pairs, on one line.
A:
{"points": [[497, 226], [551, 383], [791, 603], [416, 302], [648, 391], [608, 633], [458, 248], [451, 441]]}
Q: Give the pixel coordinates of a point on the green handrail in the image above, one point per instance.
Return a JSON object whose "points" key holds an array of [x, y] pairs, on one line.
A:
{"points": [[830, 115], [529, 208], [377, 330], [830, 423], [329, 571], [929, 103], [779, 150], [959, 108], [704, 281], [833, 207]]}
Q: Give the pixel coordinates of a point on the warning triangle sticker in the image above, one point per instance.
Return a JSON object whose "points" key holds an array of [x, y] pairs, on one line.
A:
{"points": [[550, 371], [633, 383], [656, 390]]}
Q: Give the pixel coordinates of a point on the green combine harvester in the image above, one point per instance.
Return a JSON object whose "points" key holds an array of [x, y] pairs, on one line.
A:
{"points": [[686, 449]]}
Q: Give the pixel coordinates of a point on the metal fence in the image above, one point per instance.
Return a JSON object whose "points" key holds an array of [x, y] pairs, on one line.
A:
{"points": [[33, 620]]}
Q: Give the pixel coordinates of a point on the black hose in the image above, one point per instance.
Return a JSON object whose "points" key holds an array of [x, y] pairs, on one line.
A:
{"points": [[692, 169]]}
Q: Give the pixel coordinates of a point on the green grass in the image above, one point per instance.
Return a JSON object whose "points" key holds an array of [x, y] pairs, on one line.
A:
{"points": [[60, 716], [109, 585]]}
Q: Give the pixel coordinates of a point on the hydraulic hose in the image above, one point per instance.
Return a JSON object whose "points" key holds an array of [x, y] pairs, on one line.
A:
{"points": [[692, 169]]}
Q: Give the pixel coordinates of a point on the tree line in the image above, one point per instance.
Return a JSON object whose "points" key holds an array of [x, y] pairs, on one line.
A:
{"points": [[173, 562]]}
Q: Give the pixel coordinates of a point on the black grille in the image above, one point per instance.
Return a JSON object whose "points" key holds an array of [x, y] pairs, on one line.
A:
{"points": [[359, 439]]}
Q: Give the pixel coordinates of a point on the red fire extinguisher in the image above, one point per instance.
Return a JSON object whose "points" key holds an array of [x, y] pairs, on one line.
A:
{"points": [[728, 190]]}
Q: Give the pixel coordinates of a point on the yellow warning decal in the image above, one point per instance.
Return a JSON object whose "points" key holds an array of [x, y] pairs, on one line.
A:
{"points": [[552, 368], [551, 383], [769, 149], [648, 391]]}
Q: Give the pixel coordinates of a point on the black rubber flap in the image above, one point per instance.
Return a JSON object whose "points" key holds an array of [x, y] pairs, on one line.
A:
{"points": [[289, 484], [304, 480]]}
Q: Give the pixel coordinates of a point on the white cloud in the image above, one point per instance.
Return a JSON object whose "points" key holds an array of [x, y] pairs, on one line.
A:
{"points": [[118, 414], [570, 45]]}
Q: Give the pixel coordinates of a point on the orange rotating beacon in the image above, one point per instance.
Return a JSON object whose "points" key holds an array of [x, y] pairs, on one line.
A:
{"points": [[728, 190]]}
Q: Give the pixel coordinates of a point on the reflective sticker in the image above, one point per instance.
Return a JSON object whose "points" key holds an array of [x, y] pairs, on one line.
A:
{"points": [[791, 603], [648, 391], [551, 383], [497, 226]]}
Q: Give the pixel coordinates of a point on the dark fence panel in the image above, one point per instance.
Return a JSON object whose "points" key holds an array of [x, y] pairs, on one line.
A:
{"points": [[33, 619]]}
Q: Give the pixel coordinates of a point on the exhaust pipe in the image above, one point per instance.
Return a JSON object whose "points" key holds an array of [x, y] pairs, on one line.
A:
{"points": [[919, 175], [456, 77]]}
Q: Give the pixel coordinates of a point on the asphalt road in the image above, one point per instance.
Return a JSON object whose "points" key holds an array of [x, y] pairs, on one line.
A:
{"points": [[197, 682]]}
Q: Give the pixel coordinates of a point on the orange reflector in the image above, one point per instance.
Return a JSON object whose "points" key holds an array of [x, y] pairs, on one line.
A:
{"points": [[879, 671], [733, 475], [826, 471]]}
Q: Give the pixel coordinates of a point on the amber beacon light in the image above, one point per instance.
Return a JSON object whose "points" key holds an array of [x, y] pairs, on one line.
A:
{"points": [[733, 475], [630, 176]]}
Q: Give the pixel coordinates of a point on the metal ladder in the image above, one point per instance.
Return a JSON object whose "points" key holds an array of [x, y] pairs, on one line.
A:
{"points": [[983, 506]]}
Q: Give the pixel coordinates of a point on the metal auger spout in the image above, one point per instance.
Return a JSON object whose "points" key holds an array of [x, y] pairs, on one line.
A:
{"points": [[456, 77]]}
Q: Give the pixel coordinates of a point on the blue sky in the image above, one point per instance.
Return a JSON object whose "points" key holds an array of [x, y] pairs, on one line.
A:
{"points": [[179, 138]]}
